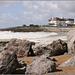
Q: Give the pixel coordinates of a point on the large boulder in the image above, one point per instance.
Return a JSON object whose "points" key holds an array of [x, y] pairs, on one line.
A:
{"points": [[71, 42], [70, 62], [41, 66], [2, 45], [8, 62], [21, 47], [22, 63], [47, 56], [21, 67], [52, 48]]}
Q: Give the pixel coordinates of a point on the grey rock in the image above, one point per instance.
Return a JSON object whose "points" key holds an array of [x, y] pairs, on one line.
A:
{"points": [[34, 59], [71, 42], [65, 53], [2, 45], [47, 56], [56, 47], [21, 47], [41, 66], [22, 63], [21, 67], [8, 62], [70, 62]]}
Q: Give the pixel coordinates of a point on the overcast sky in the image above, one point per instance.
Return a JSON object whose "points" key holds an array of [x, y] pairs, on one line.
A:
{"points": [[17, 13]]}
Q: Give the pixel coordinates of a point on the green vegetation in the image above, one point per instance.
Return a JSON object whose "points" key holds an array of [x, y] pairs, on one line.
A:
{"points": [[38, 26], [24, 25], [32, 25]]}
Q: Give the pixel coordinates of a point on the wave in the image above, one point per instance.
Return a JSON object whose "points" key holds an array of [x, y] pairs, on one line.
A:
{"points": [[31, 36], [23, 35]]}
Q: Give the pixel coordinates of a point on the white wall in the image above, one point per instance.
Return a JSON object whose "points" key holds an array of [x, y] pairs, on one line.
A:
{"points": [[69, 22], [61, 22]]}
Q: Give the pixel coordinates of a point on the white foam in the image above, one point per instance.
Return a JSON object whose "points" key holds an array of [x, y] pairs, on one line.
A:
{"points": [[31, 36], [24, 35]]}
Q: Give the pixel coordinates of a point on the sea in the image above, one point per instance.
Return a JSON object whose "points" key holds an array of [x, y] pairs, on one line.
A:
{"points": [[32, 36]]}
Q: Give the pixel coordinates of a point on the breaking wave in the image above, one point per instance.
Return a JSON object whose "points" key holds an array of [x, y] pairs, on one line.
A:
{"points": [[31, 36]]}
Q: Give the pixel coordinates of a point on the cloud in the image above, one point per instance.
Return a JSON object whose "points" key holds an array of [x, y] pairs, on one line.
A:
{"points": [[6, 3], [41, 10], [8, 20], [66, 8], [36, 12]]}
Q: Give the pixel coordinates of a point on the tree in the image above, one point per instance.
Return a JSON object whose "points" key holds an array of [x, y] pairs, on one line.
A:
{"points": [[24, 25], [31, 25]]}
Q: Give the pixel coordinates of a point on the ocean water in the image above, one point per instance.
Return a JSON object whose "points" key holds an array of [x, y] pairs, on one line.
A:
{"points": [[32, 36]]}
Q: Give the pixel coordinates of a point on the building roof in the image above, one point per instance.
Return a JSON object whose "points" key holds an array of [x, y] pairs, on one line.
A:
{"points": [[60, 19], [69, 19]]}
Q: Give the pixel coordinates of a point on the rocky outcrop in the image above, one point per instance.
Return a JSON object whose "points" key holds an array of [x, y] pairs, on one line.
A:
{"points": [[70, 62], [47, 56], [21, 47], [21, 67], [22, 64], [41, 66], [24, 29], [52, 48], [8, 62], [2, 45], [38, 29], [71, 42]]}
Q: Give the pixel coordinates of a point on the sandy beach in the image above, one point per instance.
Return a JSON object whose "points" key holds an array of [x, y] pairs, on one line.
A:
{"points": [[48, 36], [60, 59]]}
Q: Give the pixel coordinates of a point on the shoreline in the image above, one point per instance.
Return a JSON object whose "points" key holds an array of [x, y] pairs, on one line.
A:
{"points": [[64, 57], [39, 29]]}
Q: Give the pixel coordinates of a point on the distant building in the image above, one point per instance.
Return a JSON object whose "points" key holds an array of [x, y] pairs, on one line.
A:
{"points": [[55, 21]]}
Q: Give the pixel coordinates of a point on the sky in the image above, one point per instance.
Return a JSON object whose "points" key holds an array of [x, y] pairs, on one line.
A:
{"points": [[16, 13]]}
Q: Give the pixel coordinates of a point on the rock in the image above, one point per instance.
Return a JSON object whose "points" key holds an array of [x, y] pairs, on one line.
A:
{"points": [[2, 45], [21, 67], [44, 56], [8, 62], [22, 63], [21, 47], [41, 66], [65, 53], [34, 59], [71, 42], [52, 48], [47, 56], [70, 62]]}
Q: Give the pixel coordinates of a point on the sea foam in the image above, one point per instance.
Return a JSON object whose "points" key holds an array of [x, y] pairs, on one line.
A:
{"points": [[31, 36]]}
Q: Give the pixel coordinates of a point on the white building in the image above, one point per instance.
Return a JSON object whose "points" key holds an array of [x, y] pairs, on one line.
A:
{"points": [[69, 21], [55, 21]]}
